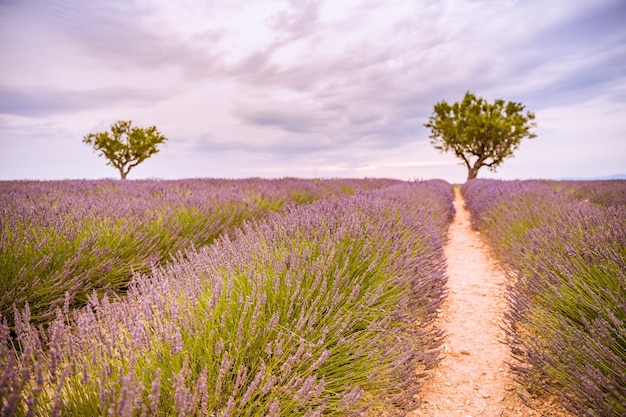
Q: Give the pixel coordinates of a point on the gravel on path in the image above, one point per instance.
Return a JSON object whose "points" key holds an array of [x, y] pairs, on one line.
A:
{"points": [[473, 379]]}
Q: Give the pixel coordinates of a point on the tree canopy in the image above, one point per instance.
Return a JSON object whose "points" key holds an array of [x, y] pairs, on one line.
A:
{"points": [[125, 146], [478, 132]]}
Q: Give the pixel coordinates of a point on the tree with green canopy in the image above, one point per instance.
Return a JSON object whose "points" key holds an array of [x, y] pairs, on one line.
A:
{"points": [[478, 132], [126, 146]]}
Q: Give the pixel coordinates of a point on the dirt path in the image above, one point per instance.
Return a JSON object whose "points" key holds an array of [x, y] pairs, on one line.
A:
{"points": [[473, 379]]}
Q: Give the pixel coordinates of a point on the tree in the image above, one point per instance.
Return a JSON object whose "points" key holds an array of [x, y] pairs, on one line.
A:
{"points": [[480, 133], [125, 146]]}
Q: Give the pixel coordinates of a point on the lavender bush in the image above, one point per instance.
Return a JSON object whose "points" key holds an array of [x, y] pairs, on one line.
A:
{"points": [[566, 254], [59, 240], [322, 310], [604, 193]]}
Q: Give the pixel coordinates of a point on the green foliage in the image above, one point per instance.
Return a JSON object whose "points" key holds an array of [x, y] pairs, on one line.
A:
{"points": [[125, 146], [478, 132]]}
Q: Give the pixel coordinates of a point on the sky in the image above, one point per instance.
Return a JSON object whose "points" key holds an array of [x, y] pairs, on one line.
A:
{"points": [[306, 88]]}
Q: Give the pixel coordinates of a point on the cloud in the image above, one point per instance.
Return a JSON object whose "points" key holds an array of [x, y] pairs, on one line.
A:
{"points": [[42, 101], [298, 20], [587, 26], [302, 83], [98, 38], [404, 164], [285, 119]]}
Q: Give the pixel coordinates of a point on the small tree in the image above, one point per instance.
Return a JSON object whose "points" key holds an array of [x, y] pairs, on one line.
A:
{"points": [[125, 146], [480, 133]]}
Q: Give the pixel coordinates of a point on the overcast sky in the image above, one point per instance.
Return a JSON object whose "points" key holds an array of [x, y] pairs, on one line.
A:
{"points": [[304, 88]]}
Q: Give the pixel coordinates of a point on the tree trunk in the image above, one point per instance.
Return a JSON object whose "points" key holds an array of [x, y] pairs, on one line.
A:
{"points": [[473, 172], [123, 173]]}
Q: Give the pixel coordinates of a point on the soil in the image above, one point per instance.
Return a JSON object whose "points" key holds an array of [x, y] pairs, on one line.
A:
{"points": [[473, 379]]}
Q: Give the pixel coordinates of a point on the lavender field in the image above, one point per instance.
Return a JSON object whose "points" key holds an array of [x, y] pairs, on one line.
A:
{"points": [[564, 247], [61, 240], [236, 298], [294, 297]]}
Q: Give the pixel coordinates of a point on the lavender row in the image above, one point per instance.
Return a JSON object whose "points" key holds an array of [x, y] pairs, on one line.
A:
{"points": [[565, 251], [322, 310], [605, 193], [59, 240]]}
